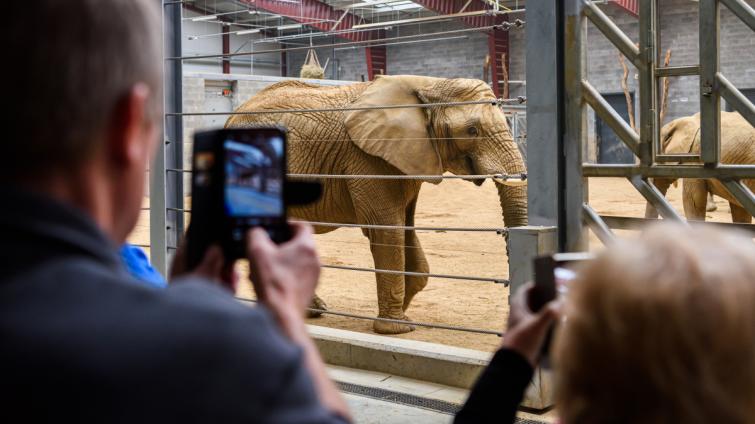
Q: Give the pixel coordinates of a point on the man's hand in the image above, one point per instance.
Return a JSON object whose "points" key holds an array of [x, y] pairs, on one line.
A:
{"points": [[527, 330], [213, 267], [285, 276]]}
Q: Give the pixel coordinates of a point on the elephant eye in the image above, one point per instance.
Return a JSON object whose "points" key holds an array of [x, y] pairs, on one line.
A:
{"points": [[472, 131]]}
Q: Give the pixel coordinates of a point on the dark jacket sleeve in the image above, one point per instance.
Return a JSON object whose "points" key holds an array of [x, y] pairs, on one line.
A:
{"points": [[499, 390]]}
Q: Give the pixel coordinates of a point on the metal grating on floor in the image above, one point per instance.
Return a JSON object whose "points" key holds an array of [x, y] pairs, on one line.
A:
{"points": [[410, 400]]}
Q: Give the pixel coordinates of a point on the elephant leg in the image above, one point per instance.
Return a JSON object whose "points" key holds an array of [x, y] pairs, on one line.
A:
{"points": [[711, 206], [316, 303], [415, 262], [662, 184], [739, 214], [415, 259], [695, 196], [388, 253]]}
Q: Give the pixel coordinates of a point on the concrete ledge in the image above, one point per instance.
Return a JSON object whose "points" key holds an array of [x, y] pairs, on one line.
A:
{"points": [[431, 362]]}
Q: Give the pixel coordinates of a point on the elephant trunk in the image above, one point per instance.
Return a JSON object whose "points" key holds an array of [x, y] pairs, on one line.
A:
{"points": [[500, 154], [513, 204], [662, 184]]}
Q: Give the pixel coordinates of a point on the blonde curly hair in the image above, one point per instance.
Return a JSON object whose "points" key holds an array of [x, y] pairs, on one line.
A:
{"points": [[661, 330]]}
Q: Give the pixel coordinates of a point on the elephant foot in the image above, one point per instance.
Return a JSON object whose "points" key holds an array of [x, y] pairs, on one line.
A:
{"points": [[316, 303], [383, 327]]}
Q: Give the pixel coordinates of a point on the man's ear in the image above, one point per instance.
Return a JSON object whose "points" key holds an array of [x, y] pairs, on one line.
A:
{"points": [[128, 140]]}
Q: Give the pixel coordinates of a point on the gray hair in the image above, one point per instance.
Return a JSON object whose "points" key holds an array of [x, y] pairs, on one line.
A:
{"points": [[71, 62]]}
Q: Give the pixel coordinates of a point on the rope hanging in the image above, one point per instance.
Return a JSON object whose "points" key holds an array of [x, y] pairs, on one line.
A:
{"points": [[312, 68]]}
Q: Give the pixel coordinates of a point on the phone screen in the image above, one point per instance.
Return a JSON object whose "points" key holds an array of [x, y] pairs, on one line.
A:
{"points": [[254, 177]]}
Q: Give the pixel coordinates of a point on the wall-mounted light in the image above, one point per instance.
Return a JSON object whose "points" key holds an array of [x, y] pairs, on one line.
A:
{"points": [[248, 31], [204, 18]]}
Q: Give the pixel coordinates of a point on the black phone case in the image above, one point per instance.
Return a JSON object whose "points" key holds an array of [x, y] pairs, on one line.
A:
{"points": [[209, 223]]}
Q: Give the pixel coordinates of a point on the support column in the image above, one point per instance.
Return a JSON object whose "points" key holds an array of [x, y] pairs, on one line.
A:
{"points": [[545, 115], [166, 188], [526, 243], [376, 61], [226, 48], [498, 45]]}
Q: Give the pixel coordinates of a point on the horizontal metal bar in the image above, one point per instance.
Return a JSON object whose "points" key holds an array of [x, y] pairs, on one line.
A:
{"points": [[613, 33], [418, 274], [497, 102], [502, 177], [597, 225], [365, 43], [677, 71], [742, 193], [633, 223], [675, 171], [608, 114], [744, 11], [396, 321], [655, 198], [736, 99], [405, 227], [682, 157]]}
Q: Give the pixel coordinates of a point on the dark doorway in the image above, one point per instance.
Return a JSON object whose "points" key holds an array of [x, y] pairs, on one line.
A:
{"points": [[610, 147], [748, 92]]}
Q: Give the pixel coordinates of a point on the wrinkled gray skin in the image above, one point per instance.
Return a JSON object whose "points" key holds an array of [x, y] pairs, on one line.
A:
{"points": [[737, 147], [464, 140]]}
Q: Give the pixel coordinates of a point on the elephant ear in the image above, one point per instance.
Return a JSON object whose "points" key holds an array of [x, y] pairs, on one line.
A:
{"points": [[399, 136], [679, 135]]}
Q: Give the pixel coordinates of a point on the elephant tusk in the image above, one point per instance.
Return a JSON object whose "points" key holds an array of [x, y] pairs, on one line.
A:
{"points": [[511, 183], [517, 181]]}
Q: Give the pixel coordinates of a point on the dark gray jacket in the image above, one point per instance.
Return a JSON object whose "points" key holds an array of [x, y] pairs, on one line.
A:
{"points": [[80, 341]]}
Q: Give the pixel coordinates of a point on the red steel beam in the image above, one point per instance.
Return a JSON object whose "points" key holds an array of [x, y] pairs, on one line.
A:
{"points": [[498, 40], [376, 61], [630, 6], [315, 13]]}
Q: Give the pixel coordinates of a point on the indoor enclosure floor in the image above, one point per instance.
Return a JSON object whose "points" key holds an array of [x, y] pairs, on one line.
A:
{"points": [[474, 304]]}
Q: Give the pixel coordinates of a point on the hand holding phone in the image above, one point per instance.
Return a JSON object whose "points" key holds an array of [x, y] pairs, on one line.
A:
{"points": [[238, 182]]}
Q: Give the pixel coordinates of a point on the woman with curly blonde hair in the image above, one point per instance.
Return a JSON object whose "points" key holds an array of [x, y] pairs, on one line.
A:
{"points": [[660, 329]]}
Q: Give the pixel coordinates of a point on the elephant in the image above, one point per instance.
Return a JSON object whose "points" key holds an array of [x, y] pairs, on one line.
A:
{"points": [[737, 147], [464, 140]]}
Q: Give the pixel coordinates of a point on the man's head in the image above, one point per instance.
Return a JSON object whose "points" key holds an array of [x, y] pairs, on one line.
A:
{"points": [[86, 84], [661, 329]]}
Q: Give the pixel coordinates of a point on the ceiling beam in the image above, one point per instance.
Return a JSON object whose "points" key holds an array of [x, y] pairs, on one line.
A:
{"points": [[319, 15]]}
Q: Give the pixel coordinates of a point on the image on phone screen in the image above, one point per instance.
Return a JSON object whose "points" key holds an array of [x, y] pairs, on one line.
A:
{"points": [[254, 178]]}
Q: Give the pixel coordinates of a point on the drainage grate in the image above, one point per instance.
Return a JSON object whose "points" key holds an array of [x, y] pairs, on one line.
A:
{"points": [[410, 400]]}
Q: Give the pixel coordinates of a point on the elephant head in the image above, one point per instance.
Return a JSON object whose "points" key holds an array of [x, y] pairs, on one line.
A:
{"points": [[464, 140], [680, 136]]}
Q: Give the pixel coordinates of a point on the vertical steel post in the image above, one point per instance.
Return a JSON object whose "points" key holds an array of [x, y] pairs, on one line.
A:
{"points": [[545, 113], [574, 185], [166, 188], [649, 132], [710, 100]]}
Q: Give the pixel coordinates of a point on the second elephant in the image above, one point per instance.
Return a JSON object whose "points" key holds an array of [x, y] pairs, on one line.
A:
{"points": [[424, 141], [737, 147]]}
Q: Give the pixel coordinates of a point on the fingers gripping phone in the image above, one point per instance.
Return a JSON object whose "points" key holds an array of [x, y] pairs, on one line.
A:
{"points": [[238, 182], [553, 274]]}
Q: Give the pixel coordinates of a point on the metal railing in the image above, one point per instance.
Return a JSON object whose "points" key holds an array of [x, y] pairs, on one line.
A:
{"points": [[646, 144]]}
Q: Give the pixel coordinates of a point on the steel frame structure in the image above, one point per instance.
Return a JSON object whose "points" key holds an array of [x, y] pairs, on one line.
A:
{"points": [[564, 46]]}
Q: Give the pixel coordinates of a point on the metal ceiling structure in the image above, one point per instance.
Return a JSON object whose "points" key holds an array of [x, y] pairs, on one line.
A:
{"points": [[354, 20]]}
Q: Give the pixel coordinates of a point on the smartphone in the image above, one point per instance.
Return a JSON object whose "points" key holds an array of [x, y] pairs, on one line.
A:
{"points": [[553, 275], [238, 182]]}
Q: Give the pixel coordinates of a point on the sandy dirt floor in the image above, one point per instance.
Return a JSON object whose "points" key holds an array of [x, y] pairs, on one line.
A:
{"points": [[453, 302]]}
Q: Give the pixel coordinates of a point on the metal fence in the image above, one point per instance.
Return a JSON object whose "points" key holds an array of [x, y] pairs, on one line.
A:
{"points": [[167, 210], [561, 129]]}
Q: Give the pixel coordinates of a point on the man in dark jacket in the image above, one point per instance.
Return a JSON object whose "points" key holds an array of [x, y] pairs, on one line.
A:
{"points": [[80, 341]]}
